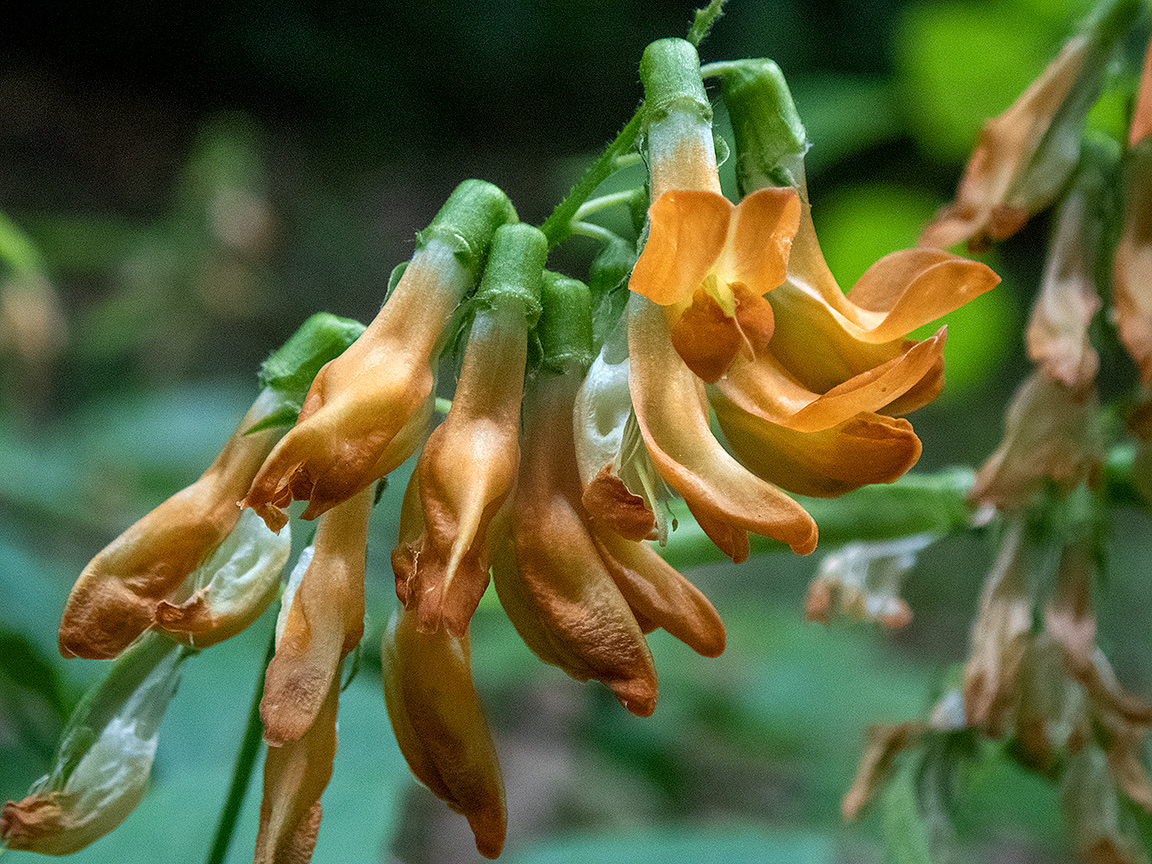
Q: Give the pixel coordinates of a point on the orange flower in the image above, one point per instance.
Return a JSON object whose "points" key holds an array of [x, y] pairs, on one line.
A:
{"points": [[125, 589], [440, 727], [368, 410], [582, 598], [469, 464]]}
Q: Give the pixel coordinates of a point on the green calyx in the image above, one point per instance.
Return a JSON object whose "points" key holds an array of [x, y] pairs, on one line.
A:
{"points": [[670, 70], [291, 368], [467, 221], [565, 325], [514, 270], [770, 138]]}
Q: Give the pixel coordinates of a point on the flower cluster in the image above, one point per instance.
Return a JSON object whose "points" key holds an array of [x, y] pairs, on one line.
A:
{"points": [[1035, 674], [550, 472]]}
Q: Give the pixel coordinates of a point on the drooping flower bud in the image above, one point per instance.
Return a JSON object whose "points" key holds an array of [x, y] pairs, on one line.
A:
{"points": [[101, 770], [470, 462]]}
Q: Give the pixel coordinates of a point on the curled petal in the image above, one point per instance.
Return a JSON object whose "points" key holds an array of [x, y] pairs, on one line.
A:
{"points": [[440, 727], [885, 743], [295, 775], [660, 595], [686, 234], [321, 622], [549, 575], [763, 388], [868, 448], [368, 409], [726, 499], [117, 595]]}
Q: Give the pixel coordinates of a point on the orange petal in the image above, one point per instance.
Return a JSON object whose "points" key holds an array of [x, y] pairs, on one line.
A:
{"points": [[116, 596], [760, 239], [705, 336], [686, 234], [673, 417], [466, 470], [368, 409], [659, 595], [550, 578], [868, 448], [609, 502], [763, 388], [324, 622], [295, 776], [440, 727]]}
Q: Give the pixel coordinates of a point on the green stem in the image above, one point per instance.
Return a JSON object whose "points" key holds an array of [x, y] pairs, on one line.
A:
{"points": [[242, 772], [558, 226], [604, 201], [596, 232]]}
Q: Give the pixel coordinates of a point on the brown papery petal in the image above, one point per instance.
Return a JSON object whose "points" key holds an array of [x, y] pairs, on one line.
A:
{"points": [[295, 776], [440, 726], [1132, 265], [324, 623], [660, 595], [673, 417], [686, 234], [609, 502], [868, 448]]}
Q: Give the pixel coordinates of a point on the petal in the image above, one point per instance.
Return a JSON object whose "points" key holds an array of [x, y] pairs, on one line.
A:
{"points": [[367, 410], [705, 336], [761, 387], [673, 417], [295, 776], [440, 727], [608, 501], [1132, 265], [549, 576], [116, 596], [686, 234], [760, 239], [660, 595], [466, 470], [323, 623], [868, 448]]}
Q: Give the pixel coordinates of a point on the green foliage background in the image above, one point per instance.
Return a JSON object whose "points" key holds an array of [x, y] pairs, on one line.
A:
{"points": [[128, 129]]}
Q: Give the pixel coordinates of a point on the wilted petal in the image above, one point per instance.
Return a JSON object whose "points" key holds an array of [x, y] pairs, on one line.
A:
{"points": [[885, 743], [1092, 811], [726, 499], [321, 622], [232, 589], [1051, 434], [295, 775], [989, 204], [660, 595], [1132, 264], [440, 727], [1057, 338], [863, 580], [548, 573], [116, 597], [1001, 634]]}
